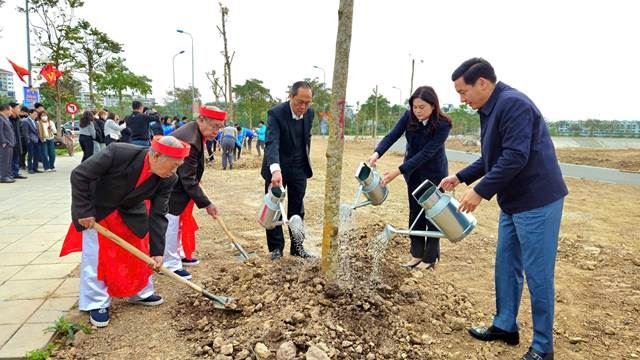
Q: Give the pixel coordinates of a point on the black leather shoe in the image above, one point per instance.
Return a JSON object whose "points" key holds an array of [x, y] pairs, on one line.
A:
{"points": [[276, 254], [19, 176], [7, 180], [493, 333], [536, 355], [303, 254]]}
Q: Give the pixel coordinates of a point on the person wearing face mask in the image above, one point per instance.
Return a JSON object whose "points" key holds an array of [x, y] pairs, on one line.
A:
{"points": [[125, 188], [426, 129], [47, 131]]}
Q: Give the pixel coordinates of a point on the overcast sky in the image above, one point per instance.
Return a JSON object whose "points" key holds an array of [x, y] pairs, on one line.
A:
{"points": [[575, 59]]}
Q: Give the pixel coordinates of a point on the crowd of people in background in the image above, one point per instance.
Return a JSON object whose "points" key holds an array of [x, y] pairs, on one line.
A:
{"points": [[27, 142], [28, 137]]}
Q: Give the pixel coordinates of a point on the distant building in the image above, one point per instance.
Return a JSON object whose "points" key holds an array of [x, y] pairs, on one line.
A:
{"points": [[6, 83], [111, 101], [597, 128]]}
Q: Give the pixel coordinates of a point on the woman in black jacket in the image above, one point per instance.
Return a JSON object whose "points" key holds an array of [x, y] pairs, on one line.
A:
{"points": [[426, 129]]}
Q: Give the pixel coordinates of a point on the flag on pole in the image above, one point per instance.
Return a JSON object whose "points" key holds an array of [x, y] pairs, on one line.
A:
{"points": [[20, 71], [51, 74]]}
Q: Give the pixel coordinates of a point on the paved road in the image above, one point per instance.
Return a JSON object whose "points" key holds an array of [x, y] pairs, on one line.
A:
{"points": [[570, 170], [35, 284]]}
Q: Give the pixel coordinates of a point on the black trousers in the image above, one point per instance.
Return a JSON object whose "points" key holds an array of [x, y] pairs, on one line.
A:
{"points": [[6, 156], [86, 143], [428, 249], [296, 184]]}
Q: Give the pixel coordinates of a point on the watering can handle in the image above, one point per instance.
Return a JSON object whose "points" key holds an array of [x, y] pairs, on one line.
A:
{"points": [[426, 183]]}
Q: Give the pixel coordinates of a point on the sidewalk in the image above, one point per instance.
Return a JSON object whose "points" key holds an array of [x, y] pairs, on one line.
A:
{"points": [[35, 284]]}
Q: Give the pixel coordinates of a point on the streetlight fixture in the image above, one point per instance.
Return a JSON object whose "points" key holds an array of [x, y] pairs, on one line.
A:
{"points": [[175, 97], [193, 84], [324, 76]]}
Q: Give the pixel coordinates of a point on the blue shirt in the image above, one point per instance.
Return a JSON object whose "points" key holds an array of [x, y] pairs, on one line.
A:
{"points": [[262, 132], [167, 129], [518, 160], [240, 137], [425, 154]]}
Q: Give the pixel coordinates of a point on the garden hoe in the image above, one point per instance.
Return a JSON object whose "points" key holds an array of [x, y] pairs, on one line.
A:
{"points": [[219, 302]]}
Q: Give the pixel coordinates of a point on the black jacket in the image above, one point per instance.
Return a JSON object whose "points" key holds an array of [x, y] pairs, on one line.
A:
{"points": [[139, 125], [106, 181], [190, 172], [280, 144], [16, 122]]}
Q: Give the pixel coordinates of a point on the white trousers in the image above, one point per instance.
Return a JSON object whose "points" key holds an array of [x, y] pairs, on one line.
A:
{"points": [[172, 247], [93, 292]]}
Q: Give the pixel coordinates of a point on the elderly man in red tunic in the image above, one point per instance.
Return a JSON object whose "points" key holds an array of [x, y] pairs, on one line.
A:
{"points": [[126, 189], [187, 192]]}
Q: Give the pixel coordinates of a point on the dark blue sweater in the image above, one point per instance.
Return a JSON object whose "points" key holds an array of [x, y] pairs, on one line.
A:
{"points": [[425, 153], [518, 160]]}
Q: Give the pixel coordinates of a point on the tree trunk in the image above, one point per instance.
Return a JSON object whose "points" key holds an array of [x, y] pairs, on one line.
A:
{"points": [[335, 145], [58, 109], [227, 65]]}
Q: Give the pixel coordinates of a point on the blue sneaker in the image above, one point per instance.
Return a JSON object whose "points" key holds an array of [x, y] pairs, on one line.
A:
{"points": [[152, 300], [99, 317], [183, 274], [190, 262]]}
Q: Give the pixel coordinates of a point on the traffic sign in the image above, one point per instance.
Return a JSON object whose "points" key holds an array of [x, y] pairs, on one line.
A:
{"points": [[71, 108]]}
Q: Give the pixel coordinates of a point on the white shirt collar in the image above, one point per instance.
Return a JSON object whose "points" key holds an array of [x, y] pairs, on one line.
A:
{"points": [[295, 117]]}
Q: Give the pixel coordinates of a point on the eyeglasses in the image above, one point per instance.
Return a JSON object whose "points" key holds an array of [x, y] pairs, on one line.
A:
{"points": [[299, 102]]}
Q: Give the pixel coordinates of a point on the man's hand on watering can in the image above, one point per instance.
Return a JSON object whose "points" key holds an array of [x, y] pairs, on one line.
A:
{"points": [[276, 179], [389, 176], [469, 201], [449, 183], [371, 161]]}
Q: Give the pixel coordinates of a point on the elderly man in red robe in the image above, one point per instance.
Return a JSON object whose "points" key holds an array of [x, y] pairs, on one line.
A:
{"points": [[126, 189], [187, 191]]}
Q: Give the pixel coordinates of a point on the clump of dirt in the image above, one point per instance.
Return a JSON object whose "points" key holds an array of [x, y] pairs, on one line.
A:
{"points": [[291, 301]]}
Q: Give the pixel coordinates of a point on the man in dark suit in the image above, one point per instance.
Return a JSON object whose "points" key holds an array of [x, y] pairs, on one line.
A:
{"points": [[7, 142], [126, 189], [187, 192], [286, 161], [518, 164], [30, 130], [16, 122]]}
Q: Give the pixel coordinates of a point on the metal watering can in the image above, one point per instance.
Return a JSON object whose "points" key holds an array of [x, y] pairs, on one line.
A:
{"points": [[371, 186], [273, 208], [442, 211]]}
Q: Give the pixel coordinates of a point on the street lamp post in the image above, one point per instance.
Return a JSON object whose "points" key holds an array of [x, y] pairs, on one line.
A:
{"points": [[401, 101], [193, 84], [175, 97], [324, 75], [413, 66], [26, 8]]}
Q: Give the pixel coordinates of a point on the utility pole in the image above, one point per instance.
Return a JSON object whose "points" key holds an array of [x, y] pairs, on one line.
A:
{"points": [[375, 117], [26, 6]]}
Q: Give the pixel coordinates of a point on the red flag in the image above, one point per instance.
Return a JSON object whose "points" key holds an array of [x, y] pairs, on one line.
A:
{"points": [[51, 74], [20, 71]]}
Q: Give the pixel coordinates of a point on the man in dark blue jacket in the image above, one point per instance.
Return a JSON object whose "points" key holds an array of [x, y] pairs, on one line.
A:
{"points": [[286, 161], [518, 164]]}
